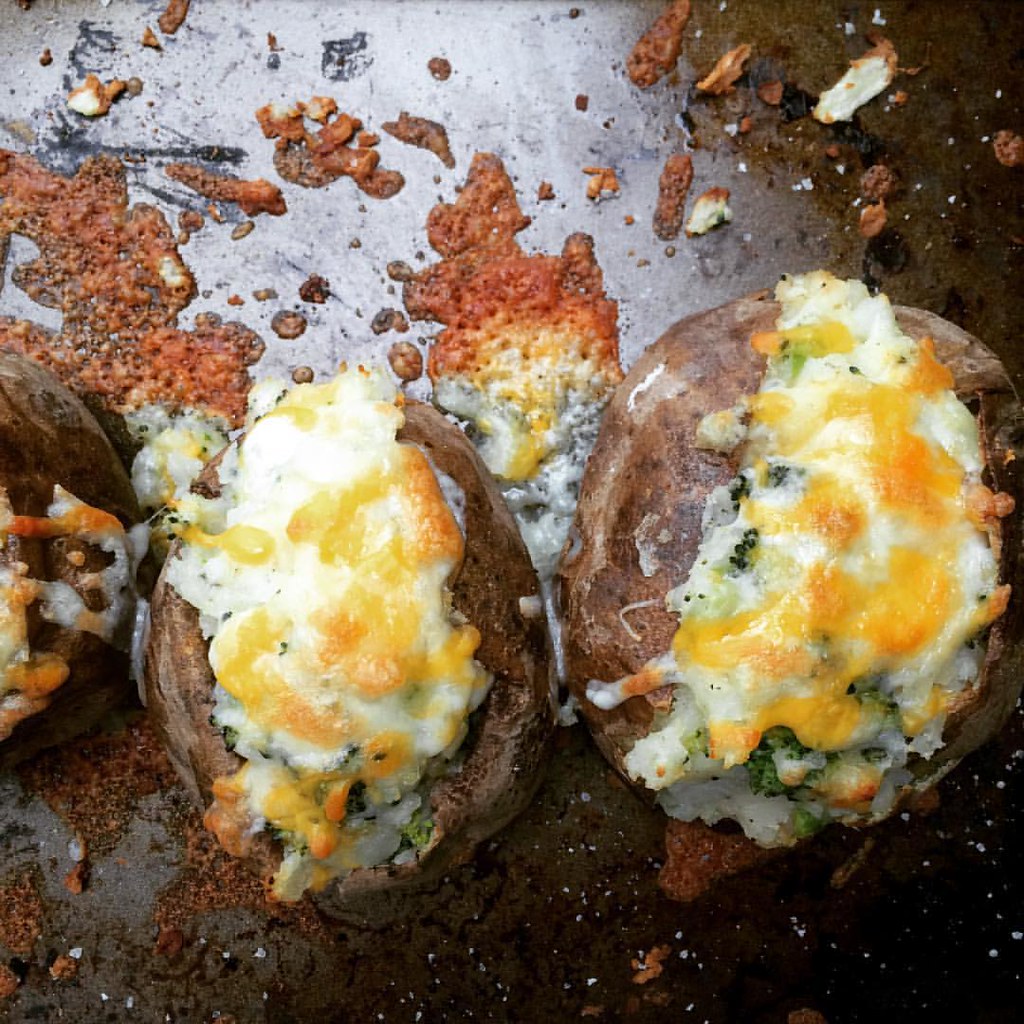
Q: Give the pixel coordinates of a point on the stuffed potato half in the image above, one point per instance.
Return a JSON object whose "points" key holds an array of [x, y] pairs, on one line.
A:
{"points": [[788, 602], [348, 660], [68, 555]]}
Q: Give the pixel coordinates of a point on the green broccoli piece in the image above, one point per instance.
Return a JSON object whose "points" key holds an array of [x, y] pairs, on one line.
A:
{"points": [[761, 772]]}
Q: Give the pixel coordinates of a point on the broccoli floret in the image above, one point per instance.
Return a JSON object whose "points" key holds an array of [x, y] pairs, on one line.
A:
{"points": [[740, 557], [739, 489], [416, 833], [761, 772], [806, 822]]}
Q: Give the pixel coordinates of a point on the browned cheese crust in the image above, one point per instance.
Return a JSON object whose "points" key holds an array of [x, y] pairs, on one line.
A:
{"points": [[509, 735], [645, 488], [48, 437]]}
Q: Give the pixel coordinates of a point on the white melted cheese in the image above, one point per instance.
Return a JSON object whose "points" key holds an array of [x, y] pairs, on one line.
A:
{"points": [[175, 448], [832, 613], [344, 678], [865, 79]]}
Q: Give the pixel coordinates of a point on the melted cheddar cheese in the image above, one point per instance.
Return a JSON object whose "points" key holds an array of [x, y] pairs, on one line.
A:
{"points": [[344, 678], [831, 616], [533, 399], [28, 678]]}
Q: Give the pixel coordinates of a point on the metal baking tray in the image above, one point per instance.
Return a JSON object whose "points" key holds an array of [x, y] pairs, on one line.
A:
{"points": [[555, 918]]}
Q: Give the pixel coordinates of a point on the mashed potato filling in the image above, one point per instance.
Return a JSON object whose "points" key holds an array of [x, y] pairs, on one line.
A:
{"points": [[832, 615], [344, 677]]}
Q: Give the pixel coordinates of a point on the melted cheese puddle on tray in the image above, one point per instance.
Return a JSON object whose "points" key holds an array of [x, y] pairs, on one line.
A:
{"points": [[344, 678], [831, 616]]}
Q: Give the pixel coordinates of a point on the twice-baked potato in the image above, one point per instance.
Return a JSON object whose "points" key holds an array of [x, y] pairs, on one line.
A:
{"points": [[788, 599], [348, 660], [67, 562]]}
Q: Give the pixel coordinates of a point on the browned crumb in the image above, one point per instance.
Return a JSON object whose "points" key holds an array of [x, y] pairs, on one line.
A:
{"points": [[169, 941], [240, 231], [723, 75], [673, 185], [440, 68], [21, 911], [872, 219], [399, 270], [657, 50], [582, 101], [899, 98], [9, 982], [93, 98], [264, 294], [149, 39], [253, 197], [545, 191], [315, 289], [878, 182], [805, 1016], [77, 878], [315, 159], [389, 320], [64, 968], [422, 133], [302, 374], [602, 182], [842, 874], [133, 87], [649, 965], [272, 43], [592, 1010], [770, 92], [120, 283], [191, 220], [367, 139], [746, 123], [832, 151], [215, 215], [46, 58], [629, 219], [1009, 148], [235, 300], [406, 360], [173, 17], [697, 856], [288, 324]]}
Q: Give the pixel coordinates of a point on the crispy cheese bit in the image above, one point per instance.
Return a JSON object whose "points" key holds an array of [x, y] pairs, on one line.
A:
{"points": [[722, 77], [342, 674], [867, 76], [93, 98], [710, 211], [657, 50], [829, 624]]}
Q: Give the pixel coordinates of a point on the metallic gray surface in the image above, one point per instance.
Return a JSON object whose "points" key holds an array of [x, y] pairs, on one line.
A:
{"points": [[549, 918]]}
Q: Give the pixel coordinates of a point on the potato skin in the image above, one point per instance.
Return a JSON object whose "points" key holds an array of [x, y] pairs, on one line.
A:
{"points": [[509, 736], [48, 437], [646, 476]]}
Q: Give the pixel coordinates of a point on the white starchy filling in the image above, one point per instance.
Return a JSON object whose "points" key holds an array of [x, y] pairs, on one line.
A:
{"points": [[834, 607], [344, 677], [175, 448]]}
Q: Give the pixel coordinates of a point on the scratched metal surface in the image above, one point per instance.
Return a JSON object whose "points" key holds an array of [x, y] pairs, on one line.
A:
{"points": [[545, 922]]}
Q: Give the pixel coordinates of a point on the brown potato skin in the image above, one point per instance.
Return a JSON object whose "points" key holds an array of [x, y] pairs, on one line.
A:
{"points": [[47, 437], [509, 735], [645, 465]]}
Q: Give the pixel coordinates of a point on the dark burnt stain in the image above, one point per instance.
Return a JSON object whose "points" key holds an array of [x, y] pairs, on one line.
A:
{"points": [[274, 61], [796, 102], [954, 308], [886, 253], [869, 147], [345, 59], [90, 51]]}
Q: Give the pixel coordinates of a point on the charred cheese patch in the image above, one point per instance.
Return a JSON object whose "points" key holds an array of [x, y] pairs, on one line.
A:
{"points": [[832, 614], [343, 677]]}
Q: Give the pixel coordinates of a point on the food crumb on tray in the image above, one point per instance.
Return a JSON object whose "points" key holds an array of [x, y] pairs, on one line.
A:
{"points": [[422, 133], [174, 16], [150, 39], [657, 50], [673, 186], [315, 159], [722, 78], [1009, 148], [252, 197], [9, 981], [406, 361], [64, 968], [315, 289], [650, 965], [866, 78], [710, 211], [873, 219], [440, 68], [93, 98], [602, 184], [288, 324]]}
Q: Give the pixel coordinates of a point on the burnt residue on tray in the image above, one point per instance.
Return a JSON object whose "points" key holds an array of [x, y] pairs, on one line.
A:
{"points": [[345, 59]]}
